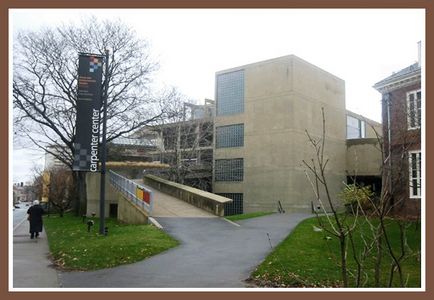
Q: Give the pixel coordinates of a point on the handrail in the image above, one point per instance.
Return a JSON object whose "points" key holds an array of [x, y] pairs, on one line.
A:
{"points": [[134, 192]]}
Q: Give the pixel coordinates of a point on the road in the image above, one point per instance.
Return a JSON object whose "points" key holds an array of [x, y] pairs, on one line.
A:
{"points": [[20, 214]]}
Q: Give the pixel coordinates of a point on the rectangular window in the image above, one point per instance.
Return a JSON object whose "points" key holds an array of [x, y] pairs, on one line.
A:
{"points": [[356, 129], [229, 169], [230, 136], [415, 178], [236, 207], [414, 109], [230, 93]]}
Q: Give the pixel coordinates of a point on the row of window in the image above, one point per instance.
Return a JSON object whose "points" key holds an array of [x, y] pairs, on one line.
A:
{"points": [[230, 101], [356, 128]]}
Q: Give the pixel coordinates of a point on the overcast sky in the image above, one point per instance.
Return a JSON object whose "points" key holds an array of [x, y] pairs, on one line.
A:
{"points": [[361, 46]]}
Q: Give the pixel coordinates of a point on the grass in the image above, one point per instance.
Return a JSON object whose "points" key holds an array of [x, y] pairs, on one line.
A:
{"points": [[247, 216], [72, 247], [307, 258]]}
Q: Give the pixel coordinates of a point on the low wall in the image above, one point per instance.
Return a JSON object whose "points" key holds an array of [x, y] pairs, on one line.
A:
{"points": [[201, 199], [129, 213]]}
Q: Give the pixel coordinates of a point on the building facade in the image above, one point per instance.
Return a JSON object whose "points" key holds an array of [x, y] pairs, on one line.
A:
{"points": [[402, 119], [263, 111]]}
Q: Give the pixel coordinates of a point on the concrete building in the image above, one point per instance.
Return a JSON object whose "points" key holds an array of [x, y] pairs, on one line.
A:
{"points": [[364, 152], [249, 145], [402, 119], [263, 111]]}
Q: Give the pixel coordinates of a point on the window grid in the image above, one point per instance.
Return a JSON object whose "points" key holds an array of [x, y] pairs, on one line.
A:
{"points": [[229, 169], [230, 93], [236, 207], [230, 136], [415, 174], [414, 109]]}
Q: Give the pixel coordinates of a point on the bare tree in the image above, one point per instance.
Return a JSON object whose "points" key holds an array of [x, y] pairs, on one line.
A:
{"points": [[336, 224], [376, 212], [61, 189], [186, 141], [45, 85]]}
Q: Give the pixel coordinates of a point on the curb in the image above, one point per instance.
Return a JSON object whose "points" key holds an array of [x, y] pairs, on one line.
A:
{"points": [[155, 223], [233, 223]]}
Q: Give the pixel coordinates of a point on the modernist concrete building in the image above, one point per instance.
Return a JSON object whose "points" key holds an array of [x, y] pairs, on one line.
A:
{"points": [[402, 119], [252, 140], [263, 111]]}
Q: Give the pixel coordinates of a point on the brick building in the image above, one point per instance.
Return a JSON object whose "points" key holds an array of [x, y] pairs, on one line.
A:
{"points": [[401, 110]]}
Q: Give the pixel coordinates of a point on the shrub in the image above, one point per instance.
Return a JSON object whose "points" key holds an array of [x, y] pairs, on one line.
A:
{"points": [[355, 196]]}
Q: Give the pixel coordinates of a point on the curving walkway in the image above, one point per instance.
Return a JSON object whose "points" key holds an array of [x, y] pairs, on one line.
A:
{"points": [[213, 253]]}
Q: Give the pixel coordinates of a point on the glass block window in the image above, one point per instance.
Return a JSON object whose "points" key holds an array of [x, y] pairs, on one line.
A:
{"points": [[356, 129], [229, 169], [230, 136], [413, 109], [415, 173], [230, 93], [236, 207]]}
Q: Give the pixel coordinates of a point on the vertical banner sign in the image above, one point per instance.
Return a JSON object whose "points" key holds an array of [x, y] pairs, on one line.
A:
{"points": [[86, 151]]}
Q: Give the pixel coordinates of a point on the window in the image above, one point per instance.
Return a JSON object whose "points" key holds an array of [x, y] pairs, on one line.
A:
{"points": [[413, 109], [236, 207], [415, 173], [229, 169], [355, 128], [230, 136], [230, 93]]}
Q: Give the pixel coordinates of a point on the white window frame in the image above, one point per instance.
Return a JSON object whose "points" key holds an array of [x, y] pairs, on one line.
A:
{"points": [[415, 106], [418, 175]]}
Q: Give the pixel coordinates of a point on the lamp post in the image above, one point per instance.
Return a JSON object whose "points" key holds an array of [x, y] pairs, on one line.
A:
{"points": [[103, 149]]}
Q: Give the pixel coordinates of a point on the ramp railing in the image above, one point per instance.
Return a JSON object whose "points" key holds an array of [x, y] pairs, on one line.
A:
{"points": [[133, 192]]}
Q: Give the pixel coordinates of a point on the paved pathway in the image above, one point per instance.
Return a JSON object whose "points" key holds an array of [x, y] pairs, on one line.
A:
{"points": [[213, 253], [168, 206], [31, 266]]}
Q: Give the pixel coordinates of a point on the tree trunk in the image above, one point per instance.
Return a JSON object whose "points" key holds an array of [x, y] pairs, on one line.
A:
{"points": [[378, 261], [80, 205], [344, 260]]}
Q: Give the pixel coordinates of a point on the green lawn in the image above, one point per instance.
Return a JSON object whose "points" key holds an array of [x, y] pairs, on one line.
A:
{"points": [[72, 247], [309, 258], [247, 216]]}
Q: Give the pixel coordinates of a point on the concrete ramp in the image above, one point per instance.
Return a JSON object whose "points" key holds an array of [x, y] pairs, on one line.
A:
{"points": [[168, 206]]}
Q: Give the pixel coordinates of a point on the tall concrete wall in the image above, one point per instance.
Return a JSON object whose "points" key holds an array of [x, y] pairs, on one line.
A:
{"points": [[283, 98], [93, 194], [364, 157]]}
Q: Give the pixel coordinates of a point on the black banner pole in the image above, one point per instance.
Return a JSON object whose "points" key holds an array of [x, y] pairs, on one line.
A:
{"points": [[102, 229]]}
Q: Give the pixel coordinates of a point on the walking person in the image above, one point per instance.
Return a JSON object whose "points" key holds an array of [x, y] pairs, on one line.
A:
{"points": [[35, 213]]}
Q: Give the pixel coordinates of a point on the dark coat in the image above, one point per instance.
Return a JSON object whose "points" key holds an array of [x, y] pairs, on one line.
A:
{"points": [[35, 217]]}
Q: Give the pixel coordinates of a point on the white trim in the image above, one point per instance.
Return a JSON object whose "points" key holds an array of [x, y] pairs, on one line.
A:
{"points": [[409, 127], [418, 174]]}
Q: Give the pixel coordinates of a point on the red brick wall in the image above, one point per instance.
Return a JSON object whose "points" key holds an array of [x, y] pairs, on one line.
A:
{"points": [[402, 141]]}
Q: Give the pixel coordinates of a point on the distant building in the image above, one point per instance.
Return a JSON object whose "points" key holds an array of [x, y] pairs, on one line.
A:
{"points": [[401, 105], [51, 161], [23, 192]]}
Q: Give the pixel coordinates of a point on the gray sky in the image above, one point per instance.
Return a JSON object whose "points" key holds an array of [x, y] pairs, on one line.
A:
{"points": [[361, 46]]}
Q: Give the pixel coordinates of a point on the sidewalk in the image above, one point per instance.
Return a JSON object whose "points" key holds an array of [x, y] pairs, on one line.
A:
{"points": [[31, 266]]}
